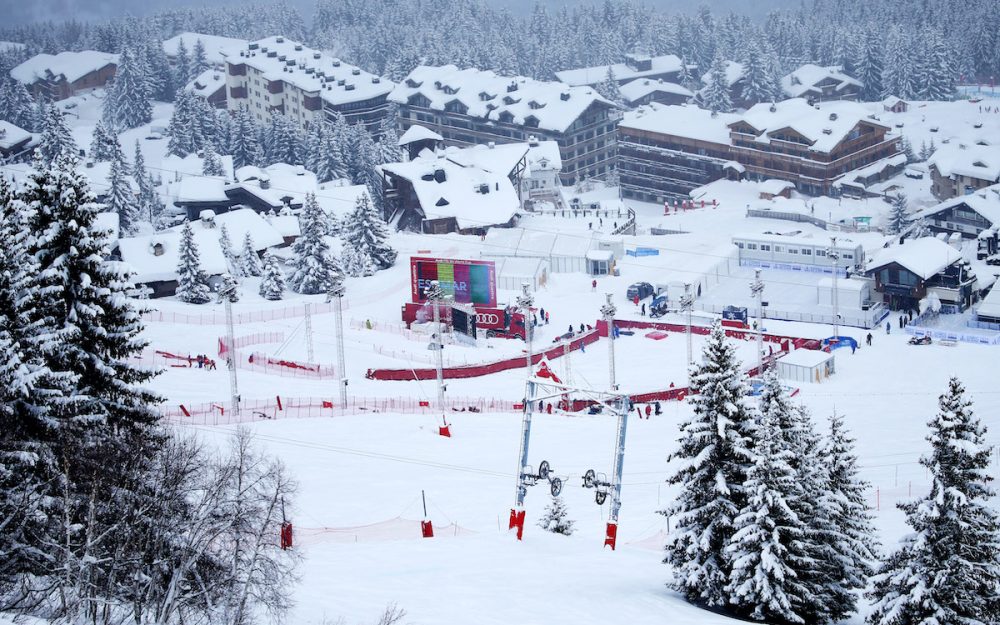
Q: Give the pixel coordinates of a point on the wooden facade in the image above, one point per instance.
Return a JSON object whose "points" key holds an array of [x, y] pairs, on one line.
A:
{"points": [[58, 88]]}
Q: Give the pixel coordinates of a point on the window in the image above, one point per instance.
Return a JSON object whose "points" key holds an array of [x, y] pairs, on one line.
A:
{"points": [[739, 245], [821, 253], [778, 248], [751, 246], [793, 250], [806, 251], [765, 248], [848, 256]]}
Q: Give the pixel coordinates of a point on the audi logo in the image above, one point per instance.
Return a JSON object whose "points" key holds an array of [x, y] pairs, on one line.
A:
{"points": [[487, 318]]}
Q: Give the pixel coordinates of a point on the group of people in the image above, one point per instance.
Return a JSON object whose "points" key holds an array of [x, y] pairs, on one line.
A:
{"points": [[649, 410], [204, 362]]}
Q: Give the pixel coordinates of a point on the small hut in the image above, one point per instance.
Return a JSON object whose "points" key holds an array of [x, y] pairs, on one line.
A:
{"points": [[806, 365]]}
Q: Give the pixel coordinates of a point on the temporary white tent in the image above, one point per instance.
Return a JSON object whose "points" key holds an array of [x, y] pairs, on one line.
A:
{"points": [[806, 365]]}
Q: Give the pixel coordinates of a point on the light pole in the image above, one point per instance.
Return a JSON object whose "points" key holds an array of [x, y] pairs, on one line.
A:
{"points": [[524, 302], [435, 295], [608, 311], [834, 257], [226, 295], [310, 353], [757, 292], [336, 294], [687, 305]]}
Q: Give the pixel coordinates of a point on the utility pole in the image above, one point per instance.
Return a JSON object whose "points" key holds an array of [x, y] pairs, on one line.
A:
{"points": [[336, 293], [435, 296], [687, 305], [608, 312], [757, 292], [225, 294], [834, 257], [524, 302], [310, 354]]}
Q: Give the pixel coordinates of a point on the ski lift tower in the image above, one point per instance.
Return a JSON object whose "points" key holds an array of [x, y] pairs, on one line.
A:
{"points": [[524, 302], [687, 305], [336, 294], [757, 293], [226, 292], [621, 405], [436, 296], [608, 311]]}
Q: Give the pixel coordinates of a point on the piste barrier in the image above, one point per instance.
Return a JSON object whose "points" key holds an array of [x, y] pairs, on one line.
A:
{"points": [[250, 316], [268, 365], [475, 371], [251, 410]]}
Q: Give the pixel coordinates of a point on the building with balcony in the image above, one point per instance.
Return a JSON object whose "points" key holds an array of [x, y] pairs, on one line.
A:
{"points": [[277, 76], [665, 152], [963, 169], [820, 84], [666, 68], [470, 106], [968, 215], [906, 273], [60, 76]]}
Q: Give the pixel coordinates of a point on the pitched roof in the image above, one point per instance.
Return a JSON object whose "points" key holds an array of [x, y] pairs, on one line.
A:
{"points": [[487, 95], [824, 127], [416, 132], [215, 46], [924, 257], [474, 196], [70, 65], [207, 82], [805, 79], [642, 87], [683, 120], [336, 82], [985, 202], [976, 161], [734, 72], [11, 135], [593, 75]]}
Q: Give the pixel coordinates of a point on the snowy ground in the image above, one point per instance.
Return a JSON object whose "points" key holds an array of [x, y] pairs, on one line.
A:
{"points": [[360, 475]]}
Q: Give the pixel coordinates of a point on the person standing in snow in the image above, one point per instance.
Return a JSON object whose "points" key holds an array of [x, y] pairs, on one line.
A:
{"points": [[593, 285], [644, 310], [888, 328], [868, 339], [649, 411]]}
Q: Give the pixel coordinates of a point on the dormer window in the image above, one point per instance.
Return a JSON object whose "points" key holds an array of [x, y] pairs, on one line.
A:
{"points": [[412, 84], [456, 106], [533, 105], [506, 117], [418, 99], [531, 121], [509, 100], [486, 97], [979, 164]]}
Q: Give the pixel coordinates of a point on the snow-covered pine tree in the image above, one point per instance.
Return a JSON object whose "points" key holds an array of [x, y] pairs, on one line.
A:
{"points": [[199, 60], [284, 141], [850, 544], [184, 128], [315, 267], [554, 519], [907, 150], [716, 95], [763, 583], [684, 78], [947, 570], [715, 455], [868, 66], [150, 204], [249, 261], [104, 429], [211, 163], [56, 139], [230, 287], [272, 285], [121, 199], [609, 87], [127, 102], [182, 65], [389, 150], [192, 285], [245, 147], [226, 244], [899, 218], [366, 235], [759, 85], [222, 139], [161, 78], [103, 144], [16, 105]]}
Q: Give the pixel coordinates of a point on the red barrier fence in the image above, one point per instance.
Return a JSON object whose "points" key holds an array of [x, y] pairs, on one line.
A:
{"points": [[269, 365], [250, 316], [475, 371]]}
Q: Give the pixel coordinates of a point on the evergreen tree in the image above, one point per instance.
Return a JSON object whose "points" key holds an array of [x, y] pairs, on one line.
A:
{"points": [[366, 235], [868, 66], [899, 218], [315, 267], [121, 199], [389, 150], [284, 141], [249, 261], [763, 582], [199, 60], [182, 65], [246, 148], [16, 105], [907, 149], [715, 455], [716, 94], [759, 83], [226, 244], [162, 83], [211, 164], [684, 78], [850, 544], [150, 205], [948, 569], [192, 284], [609, 88], [127, 102], [104, 146], [554, 520], [184, 128], [56, 140], [272, 285]]}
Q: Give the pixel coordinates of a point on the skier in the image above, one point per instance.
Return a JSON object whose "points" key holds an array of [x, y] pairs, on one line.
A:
{"points": [[644, 310], [868, 339], [582, 329]]}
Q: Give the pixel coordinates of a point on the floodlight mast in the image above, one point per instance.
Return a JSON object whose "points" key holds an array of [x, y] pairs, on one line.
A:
{"points": [[524, 302], [608, 311], [834, 257], [336, 294], [435, 296], [757, 292], [225, 295], [687, 305]]}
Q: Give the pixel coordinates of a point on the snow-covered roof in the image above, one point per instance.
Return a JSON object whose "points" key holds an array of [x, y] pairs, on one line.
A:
{"points": [[823, 128], [242, 221], [416, 132], [474, 196], [543, 155], [215, 46], [11, 135], [139, 253], [681, 120], [69, 65], [990, 305], [924, 257], [487, 95], [892, 101], [7, 46], [843, 284], [774, 187], [336, 82], [897, 160], [734, 72], [498, 158], [806, 358], [200, 189], [638, 89], [977, 161], [805, 80], [985, 202], [800, 238], [667, 63], [518, 267], [207, 82], [108, 222]]}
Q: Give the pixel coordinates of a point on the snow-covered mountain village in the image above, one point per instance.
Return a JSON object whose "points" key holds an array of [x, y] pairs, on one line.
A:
{"points": [[442, 312]]}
